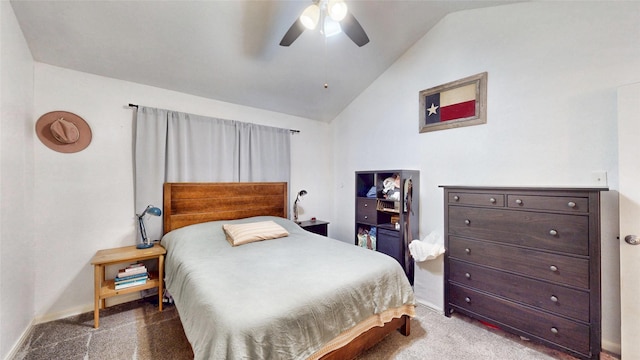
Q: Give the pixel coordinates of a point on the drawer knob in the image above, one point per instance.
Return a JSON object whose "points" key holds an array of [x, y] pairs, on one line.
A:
{"points": [[571, 204], [467, 299], [467, 275], [553, 232], [467, 221], [467, 250], [366, 216], [492, 200], [554, 298], [365, 205], [456, 197], [632, 239], [554, 330], [553, 268], [518, 201]]}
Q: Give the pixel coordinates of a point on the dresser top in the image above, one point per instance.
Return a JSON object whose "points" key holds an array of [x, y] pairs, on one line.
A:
{"points": [[536, 188]]}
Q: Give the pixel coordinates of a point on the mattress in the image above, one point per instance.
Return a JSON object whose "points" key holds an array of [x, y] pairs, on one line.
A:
{"points": [[293, 297]]}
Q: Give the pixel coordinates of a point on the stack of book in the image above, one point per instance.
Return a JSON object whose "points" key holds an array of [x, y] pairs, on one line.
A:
{"points": [[132, 275]]}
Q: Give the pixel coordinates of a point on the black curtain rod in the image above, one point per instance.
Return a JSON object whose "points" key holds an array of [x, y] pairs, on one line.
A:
{"points": [[291, 130]]}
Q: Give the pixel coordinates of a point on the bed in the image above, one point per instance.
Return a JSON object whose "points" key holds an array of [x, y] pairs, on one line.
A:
{"points": [[300, 296]]}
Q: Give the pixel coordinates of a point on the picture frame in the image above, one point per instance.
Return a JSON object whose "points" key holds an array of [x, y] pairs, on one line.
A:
{"points": [[455, 104]]}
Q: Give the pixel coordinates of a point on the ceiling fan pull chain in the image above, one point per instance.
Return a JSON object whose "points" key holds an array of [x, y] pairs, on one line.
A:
{"points": [[326, 84]]}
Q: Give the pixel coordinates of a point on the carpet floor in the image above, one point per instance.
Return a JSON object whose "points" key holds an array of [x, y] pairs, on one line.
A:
{"points": [[137, 330]]}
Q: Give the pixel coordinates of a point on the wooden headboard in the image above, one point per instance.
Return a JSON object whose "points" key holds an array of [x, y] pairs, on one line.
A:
{"points": [[192, 203]]}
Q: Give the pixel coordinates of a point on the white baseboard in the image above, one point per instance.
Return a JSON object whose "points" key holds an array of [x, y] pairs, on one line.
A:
{"points": [[62, 314], [611, 347], [13, 353], [86, 308], [431, 306]]}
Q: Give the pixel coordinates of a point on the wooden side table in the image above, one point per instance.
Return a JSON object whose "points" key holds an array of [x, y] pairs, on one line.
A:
{"points": [[315, 226], [128, 254]]}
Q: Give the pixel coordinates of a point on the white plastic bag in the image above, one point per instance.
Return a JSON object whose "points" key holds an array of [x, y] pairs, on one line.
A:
{"points": [[430, 248]]}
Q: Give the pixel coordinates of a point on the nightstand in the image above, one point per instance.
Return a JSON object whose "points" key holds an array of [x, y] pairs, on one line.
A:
{"points": [[315, 226], [128, 254]]}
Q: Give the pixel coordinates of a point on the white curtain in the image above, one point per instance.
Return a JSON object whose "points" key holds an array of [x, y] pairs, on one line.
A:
{"points": [[178, 147]]}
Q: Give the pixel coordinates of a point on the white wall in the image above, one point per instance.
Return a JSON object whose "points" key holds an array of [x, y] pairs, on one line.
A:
{"points": [[85, 200], [17, 270], [553, 72]]}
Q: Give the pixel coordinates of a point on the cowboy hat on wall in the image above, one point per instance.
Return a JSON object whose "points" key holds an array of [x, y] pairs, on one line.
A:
{"points": [[63, 131]]}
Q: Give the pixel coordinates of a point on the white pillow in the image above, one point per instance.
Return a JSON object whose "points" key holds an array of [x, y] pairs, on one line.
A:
{"points": [[239, 234]]}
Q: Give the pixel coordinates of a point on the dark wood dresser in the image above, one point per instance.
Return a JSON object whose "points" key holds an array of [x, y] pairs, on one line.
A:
{"points": [[527, 260]]}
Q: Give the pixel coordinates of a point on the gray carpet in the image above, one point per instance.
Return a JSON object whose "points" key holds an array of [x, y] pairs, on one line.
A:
{"points": [[434, 336], [137, 330]]}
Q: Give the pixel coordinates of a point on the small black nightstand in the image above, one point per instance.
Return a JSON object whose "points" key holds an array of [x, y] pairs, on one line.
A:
{"points": [[315, 226]]}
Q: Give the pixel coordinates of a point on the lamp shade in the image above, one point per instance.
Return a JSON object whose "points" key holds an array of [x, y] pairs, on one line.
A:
{"points": [[153, 211], [310, 16], [337, 9]]}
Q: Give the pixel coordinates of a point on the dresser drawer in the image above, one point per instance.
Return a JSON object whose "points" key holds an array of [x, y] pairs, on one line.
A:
{"points": [[558, 330], [551, 297], [478, 199], [540, 265], [551, 203], [366, 211], [555, 232]]}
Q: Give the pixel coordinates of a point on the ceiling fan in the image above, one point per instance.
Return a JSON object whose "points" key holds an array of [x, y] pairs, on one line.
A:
{"points": [[333, 17]]}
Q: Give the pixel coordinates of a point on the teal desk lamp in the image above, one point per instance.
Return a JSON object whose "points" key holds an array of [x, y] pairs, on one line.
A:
{"points": [[151, 210]]}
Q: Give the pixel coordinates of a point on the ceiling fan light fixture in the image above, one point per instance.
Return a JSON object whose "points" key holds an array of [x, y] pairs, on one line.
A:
{"points": [[333, 16], [337, 9], [310, 16], [330, 27]]}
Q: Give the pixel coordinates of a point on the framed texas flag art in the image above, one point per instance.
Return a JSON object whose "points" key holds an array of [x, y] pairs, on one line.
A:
{"points": [[459, 103]]}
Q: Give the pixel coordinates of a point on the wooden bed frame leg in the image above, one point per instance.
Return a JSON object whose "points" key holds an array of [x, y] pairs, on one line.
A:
{"points": [[405, 329]]}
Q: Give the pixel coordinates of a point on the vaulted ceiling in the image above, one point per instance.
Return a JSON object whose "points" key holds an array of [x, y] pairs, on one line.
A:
{"points": [[229, 50]]}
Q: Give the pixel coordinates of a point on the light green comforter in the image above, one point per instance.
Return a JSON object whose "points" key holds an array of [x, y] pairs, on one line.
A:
{"points": [[274, 299]]}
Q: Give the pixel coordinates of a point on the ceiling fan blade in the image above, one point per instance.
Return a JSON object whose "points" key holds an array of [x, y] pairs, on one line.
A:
{"points": [[354, 30], [292, 34]]}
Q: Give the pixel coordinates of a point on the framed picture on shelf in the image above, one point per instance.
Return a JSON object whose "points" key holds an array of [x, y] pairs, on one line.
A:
{"points": [[456, 104]]}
